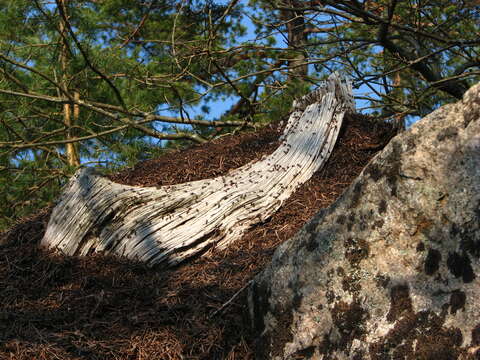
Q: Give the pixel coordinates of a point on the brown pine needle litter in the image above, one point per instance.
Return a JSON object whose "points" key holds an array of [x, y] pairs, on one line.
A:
{"points": [[98, 307]]}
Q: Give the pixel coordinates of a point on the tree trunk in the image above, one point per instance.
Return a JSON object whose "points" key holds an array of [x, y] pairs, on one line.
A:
{"points": [[297, 38], [399, 119], [71, 148], [169, 224]]}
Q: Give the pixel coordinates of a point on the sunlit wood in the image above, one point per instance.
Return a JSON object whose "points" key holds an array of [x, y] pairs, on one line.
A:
{"points": [[169, 224]]}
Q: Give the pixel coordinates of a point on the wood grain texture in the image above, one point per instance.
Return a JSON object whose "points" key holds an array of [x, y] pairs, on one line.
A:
{"points": [[169, 224]]}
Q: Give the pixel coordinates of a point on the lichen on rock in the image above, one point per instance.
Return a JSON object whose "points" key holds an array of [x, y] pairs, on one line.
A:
{"points": [[391, 269]]}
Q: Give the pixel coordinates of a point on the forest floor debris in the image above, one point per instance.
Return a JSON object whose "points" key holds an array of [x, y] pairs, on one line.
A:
{"points": [[100, 307]]}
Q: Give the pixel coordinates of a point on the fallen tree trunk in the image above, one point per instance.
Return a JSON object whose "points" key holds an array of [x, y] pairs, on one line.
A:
{"points": [[169, 224]]}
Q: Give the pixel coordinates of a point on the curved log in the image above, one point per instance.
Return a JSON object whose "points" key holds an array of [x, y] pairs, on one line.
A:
{"points": [[169, 224]]}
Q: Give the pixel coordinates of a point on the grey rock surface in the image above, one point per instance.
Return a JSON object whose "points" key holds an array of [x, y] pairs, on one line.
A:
{"points": [[390, 270]]}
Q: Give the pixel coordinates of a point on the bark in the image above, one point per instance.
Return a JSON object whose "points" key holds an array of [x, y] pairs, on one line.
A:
{"points": [[297, 39], [169, 224], [71, 147]]}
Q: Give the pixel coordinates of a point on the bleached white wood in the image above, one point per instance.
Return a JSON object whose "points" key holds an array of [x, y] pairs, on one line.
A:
{"points": [[170, 224]]}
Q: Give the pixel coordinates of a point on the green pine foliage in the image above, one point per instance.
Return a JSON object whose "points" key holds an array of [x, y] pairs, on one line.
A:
{"points": [[152, 55]]}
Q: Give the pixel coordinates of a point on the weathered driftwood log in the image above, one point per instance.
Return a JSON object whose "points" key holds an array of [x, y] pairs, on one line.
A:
{"points": [[171, 223]]}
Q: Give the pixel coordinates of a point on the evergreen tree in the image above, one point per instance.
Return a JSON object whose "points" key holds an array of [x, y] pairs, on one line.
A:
{"points": [[89, 82], [413, 55]]}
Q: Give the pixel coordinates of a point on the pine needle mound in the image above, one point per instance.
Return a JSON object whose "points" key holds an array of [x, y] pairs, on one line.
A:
{"points": [[103, 307]]}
